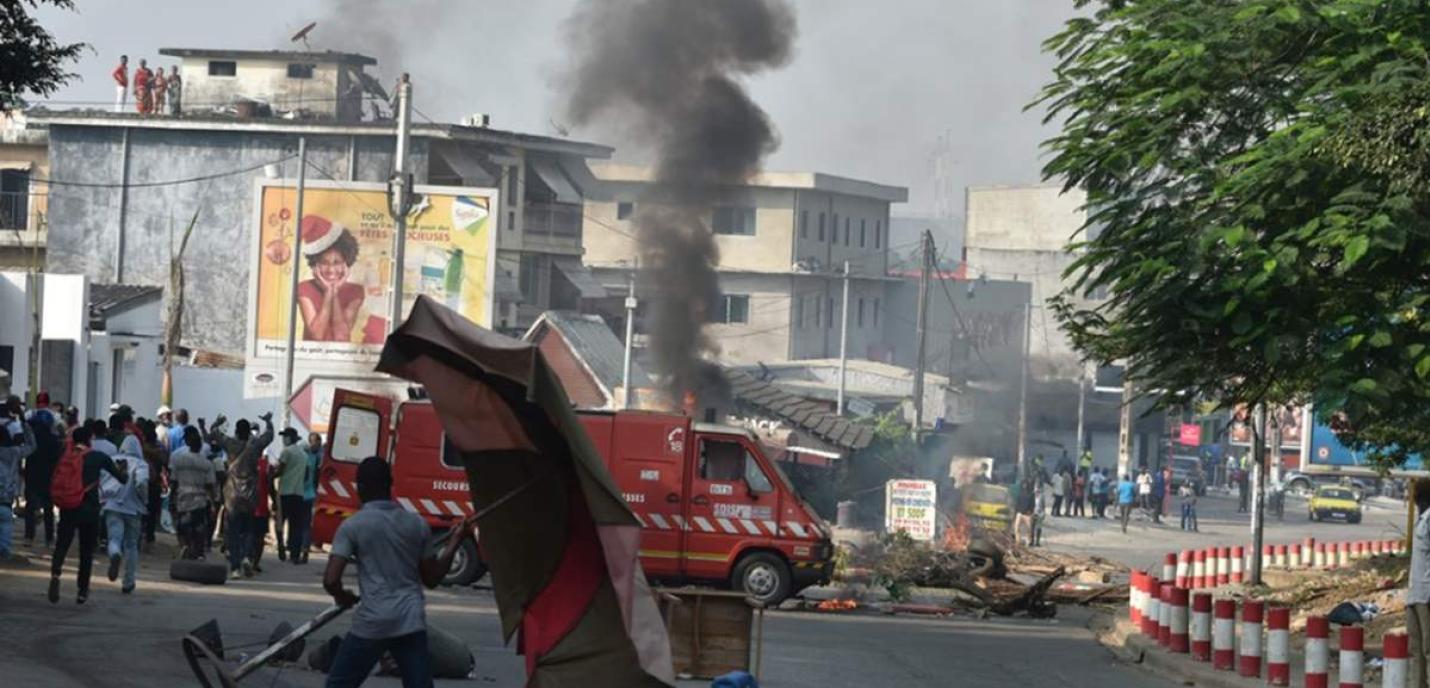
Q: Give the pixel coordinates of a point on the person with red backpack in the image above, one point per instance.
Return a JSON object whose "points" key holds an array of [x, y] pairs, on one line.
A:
{"points": [[74, 488]]}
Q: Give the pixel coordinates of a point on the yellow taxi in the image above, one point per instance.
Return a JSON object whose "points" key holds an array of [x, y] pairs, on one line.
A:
{"points": [[1335, 500]]}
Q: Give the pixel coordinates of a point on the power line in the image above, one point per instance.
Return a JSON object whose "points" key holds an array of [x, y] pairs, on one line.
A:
{"points": [[171, 182]]}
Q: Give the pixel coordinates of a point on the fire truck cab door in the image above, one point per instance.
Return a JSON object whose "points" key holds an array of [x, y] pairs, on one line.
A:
{"points": [[732, 504], [357, 429]]}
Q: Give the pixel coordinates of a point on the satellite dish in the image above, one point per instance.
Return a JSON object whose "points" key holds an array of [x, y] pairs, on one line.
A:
{"points": [[302, 34]]}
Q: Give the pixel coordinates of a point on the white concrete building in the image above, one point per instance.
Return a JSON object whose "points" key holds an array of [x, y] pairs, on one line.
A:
{"points": [[327, 85], [783, 241]]}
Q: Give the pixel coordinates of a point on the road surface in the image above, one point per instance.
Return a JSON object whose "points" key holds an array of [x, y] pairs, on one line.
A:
{"points": [[132, 641]]}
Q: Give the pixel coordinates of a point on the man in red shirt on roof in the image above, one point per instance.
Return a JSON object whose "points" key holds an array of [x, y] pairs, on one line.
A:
{"points": [[121, 83]]}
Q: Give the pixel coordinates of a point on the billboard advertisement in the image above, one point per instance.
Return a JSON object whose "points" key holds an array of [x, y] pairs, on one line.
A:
{"points": [[1290, 419], [1327, 455], [345, 271]]}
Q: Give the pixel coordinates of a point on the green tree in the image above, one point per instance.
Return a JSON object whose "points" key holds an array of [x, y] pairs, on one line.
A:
{"points": [[1261, 231], [31, 60]]}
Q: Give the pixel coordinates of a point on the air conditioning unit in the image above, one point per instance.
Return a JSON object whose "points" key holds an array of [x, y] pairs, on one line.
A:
{"points": [[480, 119]]}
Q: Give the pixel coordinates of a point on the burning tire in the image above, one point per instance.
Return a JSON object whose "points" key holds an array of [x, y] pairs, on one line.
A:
{"points": [[764, 577], [208, 573]]}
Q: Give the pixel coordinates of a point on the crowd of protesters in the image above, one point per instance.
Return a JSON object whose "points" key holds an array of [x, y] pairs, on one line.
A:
{"points": [[116, 481], [1082, 490]]}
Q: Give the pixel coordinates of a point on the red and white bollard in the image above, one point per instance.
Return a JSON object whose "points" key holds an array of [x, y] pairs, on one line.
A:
{"points": [[1308, 551], [1318, 651], [1343, 554], [1199, 569], [1357, 551], [1377, 548], [1151, 608], [1249, 663], [1320, 561], [1200, 629], [1224, 635], [1267, 556], [1278, 646], [1293, 556], [1223, 565], [1397, 661], [1278, 556], [1184, 569], [1352, 656], [1134, 598], [1178, 622], [1164, 614], [1169, 567], [1238, 558]]}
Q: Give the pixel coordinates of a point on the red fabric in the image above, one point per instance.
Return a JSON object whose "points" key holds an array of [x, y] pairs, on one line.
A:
{"points": [[562, 603], [141, 78], [261, 511], [121, 75]]}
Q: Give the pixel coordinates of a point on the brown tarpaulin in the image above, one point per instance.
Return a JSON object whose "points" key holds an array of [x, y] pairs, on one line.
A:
{"points": [[594, 624]]}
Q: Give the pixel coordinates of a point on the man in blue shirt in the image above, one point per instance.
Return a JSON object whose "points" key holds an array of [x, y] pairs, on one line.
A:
{"points": [[1126, 495], [176, 430]]}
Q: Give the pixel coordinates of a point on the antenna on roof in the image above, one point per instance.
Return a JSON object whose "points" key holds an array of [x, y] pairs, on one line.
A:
{"points": [[302, 34]]}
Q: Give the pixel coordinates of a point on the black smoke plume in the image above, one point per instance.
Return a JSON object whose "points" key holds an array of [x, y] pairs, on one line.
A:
{"points": [[669, 71]]}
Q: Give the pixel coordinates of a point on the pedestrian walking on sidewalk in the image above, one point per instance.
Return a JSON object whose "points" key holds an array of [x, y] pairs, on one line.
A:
{"points": [[390, 547], [1079, 494], [1188, 493], [75, 490], [1060, 488], [123, 505], [1126, 494], [1417, 598]]}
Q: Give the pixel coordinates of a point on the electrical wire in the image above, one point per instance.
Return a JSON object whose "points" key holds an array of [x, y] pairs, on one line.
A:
{"points": [[170, 182]]}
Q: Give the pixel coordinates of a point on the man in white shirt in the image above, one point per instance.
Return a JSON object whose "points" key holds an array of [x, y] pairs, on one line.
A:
{"points": [[1417, 598]]}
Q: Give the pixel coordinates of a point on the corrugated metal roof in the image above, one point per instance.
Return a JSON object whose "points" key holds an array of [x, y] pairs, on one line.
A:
{"points": [[799, 411], [593, 342], [104, 298]]}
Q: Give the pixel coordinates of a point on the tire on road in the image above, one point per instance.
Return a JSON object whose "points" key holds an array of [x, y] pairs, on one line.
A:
{"points": [[764, 577], [206, 572], [467, 566]]}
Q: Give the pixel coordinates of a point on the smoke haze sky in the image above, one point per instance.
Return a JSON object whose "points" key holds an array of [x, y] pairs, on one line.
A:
{"points": [[869, 91]]}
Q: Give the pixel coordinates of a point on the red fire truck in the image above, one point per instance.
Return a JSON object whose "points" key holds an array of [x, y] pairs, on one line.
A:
{"points": [[713, 507]]}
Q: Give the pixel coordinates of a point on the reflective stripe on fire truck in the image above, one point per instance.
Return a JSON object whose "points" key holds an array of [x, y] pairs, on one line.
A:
{"points": [[727, 526], [407, 504], [455, 508], [797, 528], [337, 486], [704, 524], [750, 526], [659, 521]]}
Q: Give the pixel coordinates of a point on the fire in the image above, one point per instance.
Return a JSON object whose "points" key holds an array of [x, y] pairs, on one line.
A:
{"points": [[837, 605], [957, 535]]}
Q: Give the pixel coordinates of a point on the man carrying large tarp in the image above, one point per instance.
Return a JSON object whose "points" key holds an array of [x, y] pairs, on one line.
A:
{"points": [[560, 541]]}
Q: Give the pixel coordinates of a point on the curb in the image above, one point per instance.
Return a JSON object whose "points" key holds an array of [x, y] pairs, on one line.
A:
{"points": [[1134, 649]]}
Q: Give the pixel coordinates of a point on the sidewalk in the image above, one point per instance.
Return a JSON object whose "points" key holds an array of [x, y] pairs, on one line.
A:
{"points": [[1128, 644]]}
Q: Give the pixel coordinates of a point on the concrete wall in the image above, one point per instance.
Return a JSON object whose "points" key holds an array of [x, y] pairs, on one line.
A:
{"points": [[15, 326], [86, 222], [267, 81], [65, 318], [207, 392], [857, 215], [125, 360], [1023, 218], [766, 336]]}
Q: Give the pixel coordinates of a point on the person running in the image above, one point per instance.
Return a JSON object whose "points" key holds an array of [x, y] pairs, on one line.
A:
{"points": [[83, 520], [1126, 494], [293, 468], [194, 490], [389, 545], [157, 458], [240, 489], [13, 450], [123, 506], [38, 468]]}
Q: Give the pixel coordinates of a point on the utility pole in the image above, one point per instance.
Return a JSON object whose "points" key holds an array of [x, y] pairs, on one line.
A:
{"points": [[1023, 387], [630, 341], [399, 198], [843, 343], [922, 329], [1124, 428], [1258, 487], [1081, 410], [287, 411]]}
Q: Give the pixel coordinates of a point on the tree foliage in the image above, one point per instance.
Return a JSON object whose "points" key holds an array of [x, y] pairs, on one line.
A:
{"points": [[1257, 201], [31, 60]]}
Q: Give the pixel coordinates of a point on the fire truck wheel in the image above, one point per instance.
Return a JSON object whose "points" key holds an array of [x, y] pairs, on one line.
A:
{"points": [[467, 566], [764, 577], [208, 573]]}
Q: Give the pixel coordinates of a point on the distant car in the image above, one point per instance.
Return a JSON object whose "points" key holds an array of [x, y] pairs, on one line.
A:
{"points": [[1332, 501], [1184, 468], [1303, 484]]}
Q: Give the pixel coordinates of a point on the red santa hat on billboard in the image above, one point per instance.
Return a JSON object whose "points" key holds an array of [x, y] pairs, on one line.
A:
{"points": [[319, 234]]}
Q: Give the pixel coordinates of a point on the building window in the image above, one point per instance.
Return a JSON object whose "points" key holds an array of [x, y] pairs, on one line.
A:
{"points": [[818, 319], [298, 71], [14, 199], [821, 231], [529, 279], [846, 232], [223, 68], [863, 227], [804, 224], [733, 308], [861, 313], [878, 229], [876, 312], [830, 322], [624, 210], [734, 220], [834, 230], [799, 312]]}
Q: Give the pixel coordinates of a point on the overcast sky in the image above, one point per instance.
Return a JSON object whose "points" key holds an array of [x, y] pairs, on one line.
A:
{"points": [[872, 87]]}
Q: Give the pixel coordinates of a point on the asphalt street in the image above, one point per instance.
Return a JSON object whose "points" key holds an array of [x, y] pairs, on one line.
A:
{"points": [[1219, 523], [123, 641]]}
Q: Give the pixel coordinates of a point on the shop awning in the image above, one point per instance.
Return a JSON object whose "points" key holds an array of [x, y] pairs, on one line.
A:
{"points": [[469, 166], [579, 276], [556, 180]]}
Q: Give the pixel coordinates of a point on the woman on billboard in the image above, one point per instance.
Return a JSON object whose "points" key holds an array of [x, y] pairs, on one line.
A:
{"points": [[329, 302]]}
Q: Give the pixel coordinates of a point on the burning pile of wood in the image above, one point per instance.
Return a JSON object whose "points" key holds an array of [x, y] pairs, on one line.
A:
{"points": [[837, 605]]}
